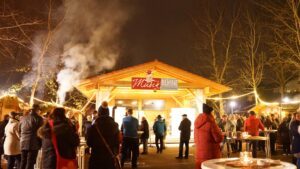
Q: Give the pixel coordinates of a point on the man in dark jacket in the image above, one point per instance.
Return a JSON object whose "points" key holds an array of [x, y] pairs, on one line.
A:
{"points": [[2, 135], [145, 135], [185, 135], [100, 155], [30, 142], [239, 128], [159, 129]]}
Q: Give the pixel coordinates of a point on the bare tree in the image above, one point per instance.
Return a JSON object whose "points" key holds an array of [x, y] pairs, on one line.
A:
{"points": [[286, 28], [253, 60], [12, 42], [219, 33], [41, 48], [283, 72]]}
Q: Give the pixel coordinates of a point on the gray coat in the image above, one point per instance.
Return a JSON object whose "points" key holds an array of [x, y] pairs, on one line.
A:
{"points": [[28, 129]]}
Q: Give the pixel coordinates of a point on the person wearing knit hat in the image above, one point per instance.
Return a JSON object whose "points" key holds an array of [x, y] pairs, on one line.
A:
{"points": [[109, 129], [103, 109]]}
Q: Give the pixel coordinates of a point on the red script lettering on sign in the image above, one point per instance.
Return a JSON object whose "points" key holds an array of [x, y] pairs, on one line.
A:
{"points": [[141, 83]]}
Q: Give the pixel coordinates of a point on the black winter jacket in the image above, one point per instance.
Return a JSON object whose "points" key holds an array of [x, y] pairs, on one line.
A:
{"points": [[185, 128], [100, 155], [295, 136], [67, 142], [145, 129]]}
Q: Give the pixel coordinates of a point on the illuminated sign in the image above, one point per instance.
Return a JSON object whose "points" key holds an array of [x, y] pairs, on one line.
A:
{"points": [[154, 83]]}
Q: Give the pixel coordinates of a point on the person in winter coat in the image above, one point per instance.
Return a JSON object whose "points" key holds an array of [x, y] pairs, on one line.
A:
{"points": [[159, 129], [295, 131], [30, 142], [239, 129], [145, 135], [208, 137], [60, 141], [12, 141], [284, 136], [100, 156], [2, 134], [185, 135], [252, 126]]}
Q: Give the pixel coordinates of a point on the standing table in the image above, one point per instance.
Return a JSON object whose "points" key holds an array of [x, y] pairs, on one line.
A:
{"points": [[219, 164]]}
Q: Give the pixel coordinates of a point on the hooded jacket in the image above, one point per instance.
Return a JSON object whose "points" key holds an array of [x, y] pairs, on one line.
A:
{"points": [[208, 137]]}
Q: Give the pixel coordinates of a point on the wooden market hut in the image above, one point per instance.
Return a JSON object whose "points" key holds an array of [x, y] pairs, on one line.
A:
{"points": [[151, 89], [9, 103]]}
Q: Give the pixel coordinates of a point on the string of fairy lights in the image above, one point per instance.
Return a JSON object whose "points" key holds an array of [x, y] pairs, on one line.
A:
{"points": [[256, 95]]}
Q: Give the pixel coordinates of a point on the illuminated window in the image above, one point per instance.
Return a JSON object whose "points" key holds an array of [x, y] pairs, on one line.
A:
{"points": [[153, 104]]}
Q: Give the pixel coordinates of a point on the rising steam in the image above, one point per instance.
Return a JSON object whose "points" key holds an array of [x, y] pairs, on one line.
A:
{"points": [[92, 30]]}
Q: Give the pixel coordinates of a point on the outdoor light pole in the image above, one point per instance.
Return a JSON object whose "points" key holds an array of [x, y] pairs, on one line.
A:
{"points": [[232, 105]]}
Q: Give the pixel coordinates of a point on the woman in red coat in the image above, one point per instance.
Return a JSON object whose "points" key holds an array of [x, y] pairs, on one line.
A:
{"points": [[207, 137]]}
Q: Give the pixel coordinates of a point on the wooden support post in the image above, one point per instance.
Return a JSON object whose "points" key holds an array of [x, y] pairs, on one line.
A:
{"points": [[177, 101]]}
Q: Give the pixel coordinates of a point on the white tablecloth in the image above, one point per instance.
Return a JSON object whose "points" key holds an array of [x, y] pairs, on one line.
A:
{"points": [[211, 164]]}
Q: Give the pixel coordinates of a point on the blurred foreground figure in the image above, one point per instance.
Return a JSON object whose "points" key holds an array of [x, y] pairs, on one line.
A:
{"points": [[30, 142], [101, 156], [208, 137]]}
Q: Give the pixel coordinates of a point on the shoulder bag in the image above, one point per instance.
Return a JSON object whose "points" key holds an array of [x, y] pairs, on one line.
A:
{"points": [[115, 157]]}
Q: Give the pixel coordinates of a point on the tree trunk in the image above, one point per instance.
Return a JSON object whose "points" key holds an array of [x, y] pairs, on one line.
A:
{"points": [[221, 105]]}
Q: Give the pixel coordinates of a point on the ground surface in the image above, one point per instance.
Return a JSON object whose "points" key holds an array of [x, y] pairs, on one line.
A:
{"points": [[167, 160]]}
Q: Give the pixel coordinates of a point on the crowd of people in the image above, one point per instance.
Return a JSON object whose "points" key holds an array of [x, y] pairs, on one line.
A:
{"points": [[234, 124], [56, 134]]}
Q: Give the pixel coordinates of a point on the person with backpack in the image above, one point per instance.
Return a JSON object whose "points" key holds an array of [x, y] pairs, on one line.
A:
{"points": [[159, 129]]}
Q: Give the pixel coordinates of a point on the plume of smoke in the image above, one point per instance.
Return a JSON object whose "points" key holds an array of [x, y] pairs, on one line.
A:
{"points": [[92, 28], [85, 43]]}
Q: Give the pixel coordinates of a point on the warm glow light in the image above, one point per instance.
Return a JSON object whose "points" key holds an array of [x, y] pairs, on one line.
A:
{"points": [[232, 104], [120, 102], [286, 100], [230, 98]]}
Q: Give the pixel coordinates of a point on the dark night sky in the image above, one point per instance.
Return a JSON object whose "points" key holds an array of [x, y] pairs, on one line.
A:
{"points": [[157, 29]]}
